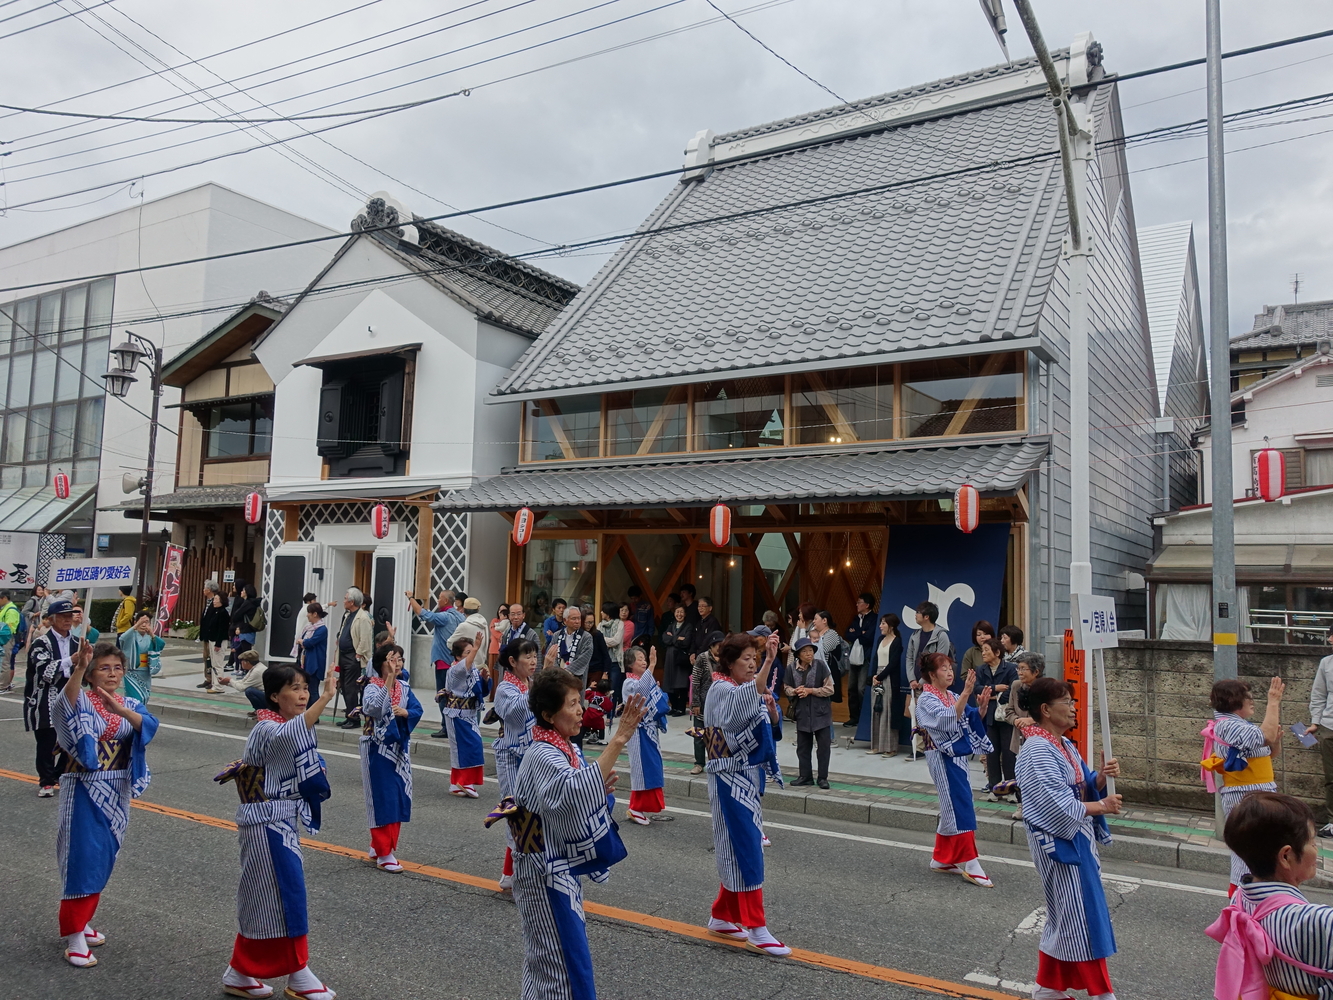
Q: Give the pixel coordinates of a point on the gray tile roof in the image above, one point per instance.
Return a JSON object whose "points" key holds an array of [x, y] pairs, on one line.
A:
{"points": [[194, 496], [861, 475], [957, 261], [1287, 326]]}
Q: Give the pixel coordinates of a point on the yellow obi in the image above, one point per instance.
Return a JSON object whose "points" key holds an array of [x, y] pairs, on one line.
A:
{"points": [[1258, 771], [1276, 994]]}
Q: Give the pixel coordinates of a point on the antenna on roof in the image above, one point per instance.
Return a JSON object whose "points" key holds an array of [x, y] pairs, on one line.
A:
{"points": [[1295, 288], [994, 11]]}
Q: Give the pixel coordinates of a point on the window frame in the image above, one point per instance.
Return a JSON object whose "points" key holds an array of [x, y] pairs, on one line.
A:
{"points": [[254, 403]]}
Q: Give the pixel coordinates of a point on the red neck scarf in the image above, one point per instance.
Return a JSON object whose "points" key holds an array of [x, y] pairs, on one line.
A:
{"points": [[110, 718], [559, 742], [1040, 732], [946, 696], [718, 678], [395, 695], [513, 679], [268, 715]]}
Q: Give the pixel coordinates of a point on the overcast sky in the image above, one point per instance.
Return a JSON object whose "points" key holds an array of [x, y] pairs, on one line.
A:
{"points": [[677, 68]]}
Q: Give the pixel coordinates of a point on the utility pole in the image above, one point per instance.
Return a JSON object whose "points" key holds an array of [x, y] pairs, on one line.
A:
{"points": [[1225, 627]]}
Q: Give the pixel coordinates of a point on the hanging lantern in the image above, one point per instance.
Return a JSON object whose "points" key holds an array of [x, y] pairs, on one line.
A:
{"points": [[1270, 474], [379, 521], [966, 509], [254, 508], [719, 525], [61, 483], [524, 522], [581, 547]]}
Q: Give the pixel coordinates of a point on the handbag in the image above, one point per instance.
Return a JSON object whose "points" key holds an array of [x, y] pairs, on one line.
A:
{"points": [[1002, 711], [259, 620], [857, 656]]}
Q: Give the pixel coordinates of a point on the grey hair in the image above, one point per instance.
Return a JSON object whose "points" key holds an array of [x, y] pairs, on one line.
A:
{"points": [[1035, 661], [355, 594], [634, 654], [573, 608], [212, 587]]}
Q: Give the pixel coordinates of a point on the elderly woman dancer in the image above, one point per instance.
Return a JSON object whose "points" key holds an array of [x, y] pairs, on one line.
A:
{"points": [[518, 662], [465, 685], [953, 731], [560, 817], [105, 736], [138, 644], [1245, 764], [281, 782], [391, 712], [1063, 802], [646, 778], [738, 737]]}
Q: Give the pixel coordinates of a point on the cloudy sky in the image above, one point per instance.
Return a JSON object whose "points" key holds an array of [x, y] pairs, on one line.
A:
{"points": [[563, 93]]}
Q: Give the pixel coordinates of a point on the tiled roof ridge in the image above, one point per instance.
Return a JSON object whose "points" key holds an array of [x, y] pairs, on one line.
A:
{"points": [[891, 97]]}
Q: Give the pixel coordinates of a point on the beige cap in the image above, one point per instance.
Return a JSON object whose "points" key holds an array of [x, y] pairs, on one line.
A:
{"points": [[472, 604]]}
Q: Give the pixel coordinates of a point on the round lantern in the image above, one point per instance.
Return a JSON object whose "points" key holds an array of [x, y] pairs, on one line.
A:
{"points": [[966, 508], [524, 522], [581, 547], [1270, 474], [379, 521], [61, 483], [254, 508], [719, 525]]}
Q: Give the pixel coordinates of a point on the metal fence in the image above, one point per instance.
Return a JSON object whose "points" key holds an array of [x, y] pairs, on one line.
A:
{"points": [[1305, 628]]}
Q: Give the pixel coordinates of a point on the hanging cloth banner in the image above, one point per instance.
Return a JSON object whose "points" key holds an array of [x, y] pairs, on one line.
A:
{"points": [[169, 590]]}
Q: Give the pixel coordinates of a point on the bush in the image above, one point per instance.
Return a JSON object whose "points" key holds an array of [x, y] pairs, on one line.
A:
{"points": [[102, 613]]}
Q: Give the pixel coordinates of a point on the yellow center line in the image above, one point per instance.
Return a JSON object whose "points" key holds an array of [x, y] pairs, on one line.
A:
{"points": [[943, 987]]}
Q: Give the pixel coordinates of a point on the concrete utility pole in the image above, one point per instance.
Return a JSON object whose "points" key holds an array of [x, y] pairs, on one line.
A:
{"points": [[1225, 625]]}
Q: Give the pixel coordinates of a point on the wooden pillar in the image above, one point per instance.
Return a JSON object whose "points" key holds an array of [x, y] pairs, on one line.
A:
{"points": [[514, 571], [749, 567], [600, 539], [291, 522], [425, 548]]}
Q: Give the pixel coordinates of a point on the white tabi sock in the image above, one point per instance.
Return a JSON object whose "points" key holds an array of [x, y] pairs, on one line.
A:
{"points": [[304, 980], [1045, 993], [940, 864], [387, 859], [233, 978], [76, 943], [1103, 996], [973, 867]]}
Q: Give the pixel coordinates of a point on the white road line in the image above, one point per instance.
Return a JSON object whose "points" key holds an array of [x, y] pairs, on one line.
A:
{"points": [[1008, 984], [1033, 922], [927, 849], [327, 753]]}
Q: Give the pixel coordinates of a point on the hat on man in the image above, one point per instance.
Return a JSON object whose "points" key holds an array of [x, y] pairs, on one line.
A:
{"points": [[763, 631], [472, 604], [61, 607], [801, 643], [715, 637]]}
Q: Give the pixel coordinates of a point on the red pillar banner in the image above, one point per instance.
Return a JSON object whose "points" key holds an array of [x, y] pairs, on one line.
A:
{"points": [[1075, 661], [169, 589]]}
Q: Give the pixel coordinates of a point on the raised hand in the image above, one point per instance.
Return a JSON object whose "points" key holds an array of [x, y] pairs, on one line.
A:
{"points": [[983, 699], [969, 684], [1276, 688]]}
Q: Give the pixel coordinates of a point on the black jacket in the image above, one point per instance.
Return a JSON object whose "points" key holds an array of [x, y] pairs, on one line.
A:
{"points": [[703, 628], [242, 612], [601, 656], [214, 623], [864, 629]]}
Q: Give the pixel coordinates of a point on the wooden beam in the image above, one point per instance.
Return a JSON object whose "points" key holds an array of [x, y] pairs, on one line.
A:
{"points": [[590, 517], [673, 397], [748, 546], [637, 574], [682, 560], [776, 512], [677, 516], [425, 525], [557, 428], [973, 397], [831, 408]]}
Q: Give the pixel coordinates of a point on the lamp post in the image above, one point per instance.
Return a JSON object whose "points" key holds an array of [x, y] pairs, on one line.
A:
{"points": [[126, 359]]}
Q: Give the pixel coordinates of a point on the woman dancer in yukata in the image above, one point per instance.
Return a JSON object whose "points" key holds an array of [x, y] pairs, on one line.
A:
{"points": [[465, 685], [105, 736], [281, 782], [646, 776], [517, 664], [391, 712]]}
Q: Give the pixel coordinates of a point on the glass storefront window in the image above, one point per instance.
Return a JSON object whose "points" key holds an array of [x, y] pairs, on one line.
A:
{"points": [[647, 421], [744, 413], [25, 324], [558, 567], [20, 381], [569, 427], [844, 405], [75, 311], [48, 318], [62, 432], [16, 429], [979, 394]]}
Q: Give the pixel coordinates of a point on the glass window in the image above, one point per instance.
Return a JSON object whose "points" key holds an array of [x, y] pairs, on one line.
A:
{"points": [[6, 326], [745, 413], [979, 394], [69, 372], [88, 440], [48, 317], [39, 435], [20, 381], [35, 475], [16, 425], [62, 432], [25, 324], [85, 472], [263, 427], [99, 304], [850, 404], [96, 362], [558, 567], [11, 476], [43, 375], [569, 427], [71, 319], [646, 421], [238, 429]]}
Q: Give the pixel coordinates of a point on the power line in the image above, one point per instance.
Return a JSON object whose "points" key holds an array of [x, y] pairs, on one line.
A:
{"points": [[34, 27], [1266, 46], [754, 38]]}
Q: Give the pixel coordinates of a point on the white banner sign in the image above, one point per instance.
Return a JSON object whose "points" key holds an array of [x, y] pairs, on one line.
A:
{"points": [[1094, 622], [18, 558], [72, 574]]}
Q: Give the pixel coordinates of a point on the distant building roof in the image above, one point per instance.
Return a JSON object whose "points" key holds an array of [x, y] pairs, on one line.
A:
{"points": [[219, 343], [1287, 326], [1164, 254]]}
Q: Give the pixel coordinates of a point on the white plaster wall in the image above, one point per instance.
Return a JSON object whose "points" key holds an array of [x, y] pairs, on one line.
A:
{"points": [[1300, 519]]}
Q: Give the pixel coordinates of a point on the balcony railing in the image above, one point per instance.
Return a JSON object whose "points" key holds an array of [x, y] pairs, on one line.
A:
{"points": [[1306, 628]]}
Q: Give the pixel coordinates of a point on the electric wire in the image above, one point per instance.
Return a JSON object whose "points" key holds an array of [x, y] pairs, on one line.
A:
{"points": [[34, 27]]}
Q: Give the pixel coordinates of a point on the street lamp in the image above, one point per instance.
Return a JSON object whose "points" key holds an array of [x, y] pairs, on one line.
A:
{"points": [[126, 358]]}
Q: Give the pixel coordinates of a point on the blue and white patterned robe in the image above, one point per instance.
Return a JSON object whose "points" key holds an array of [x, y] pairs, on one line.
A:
{"points": [[645, 753], [386, 762], [952, 742], [735, 783], [511, 705], [1063, 839], [1248, 739], [1305, 932], [95, 798], [465, 690], [271, 899], [580, 838]]}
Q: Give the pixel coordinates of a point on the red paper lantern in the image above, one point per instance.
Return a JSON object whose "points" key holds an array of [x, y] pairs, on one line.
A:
{"points": [[1270, 474], [719, 525], [524, 523], [61, 483], [379, 521], [581, 547], [966, 508], [254, 508]]}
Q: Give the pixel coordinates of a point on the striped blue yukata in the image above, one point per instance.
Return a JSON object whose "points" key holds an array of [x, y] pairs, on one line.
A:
{"points": [[108, 767], [646, 775], [563, 829], [281, 780], [516, 721], [950, 741], [386, 761], [1062, 837], [464, 690], [1301, 930], [1248, 740], [739, 743]]}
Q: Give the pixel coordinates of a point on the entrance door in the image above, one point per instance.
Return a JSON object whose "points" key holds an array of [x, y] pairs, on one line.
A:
{"points": [[292, 578], [393, 573], [362, 573]]}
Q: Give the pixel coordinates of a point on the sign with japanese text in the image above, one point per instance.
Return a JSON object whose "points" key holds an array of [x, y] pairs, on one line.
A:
{"points": [[18, 559], [75, 573], [1075, 661], [170, 588], [1094, 620]]}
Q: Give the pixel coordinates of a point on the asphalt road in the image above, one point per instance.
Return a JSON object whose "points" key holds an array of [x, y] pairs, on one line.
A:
{"points": [[847, 891]]}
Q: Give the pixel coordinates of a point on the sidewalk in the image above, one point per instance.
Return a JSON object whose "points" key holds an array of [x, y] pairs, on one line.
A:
{"points": [[893, 793]]}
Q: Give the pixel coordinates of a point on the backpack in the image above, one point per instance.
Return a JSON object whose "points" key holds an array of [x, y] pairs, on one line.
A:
{"points": [[259, 621]]}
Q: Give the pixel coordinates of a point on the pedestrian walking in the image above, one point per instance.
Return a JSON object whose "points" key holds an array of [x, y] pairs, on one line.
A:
{"points": [[214, 630], [1321, 728], [560, 819], [1064, 803], [952, 731], [143, 657], [50, 661], [123, 620], [518, 662], [890, 727], [391, 712], [356, 640], [1245, 760], [701, 677], [998, 674], [810, 684], [862, 637], [281, 782], [464, 688], [105, 736], [678, 645], [646, 799]]}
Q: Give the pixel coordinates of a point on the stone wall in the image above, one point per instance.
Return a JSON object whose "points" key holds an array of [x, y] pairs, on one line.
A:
{"points": [[1158, 693]]}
